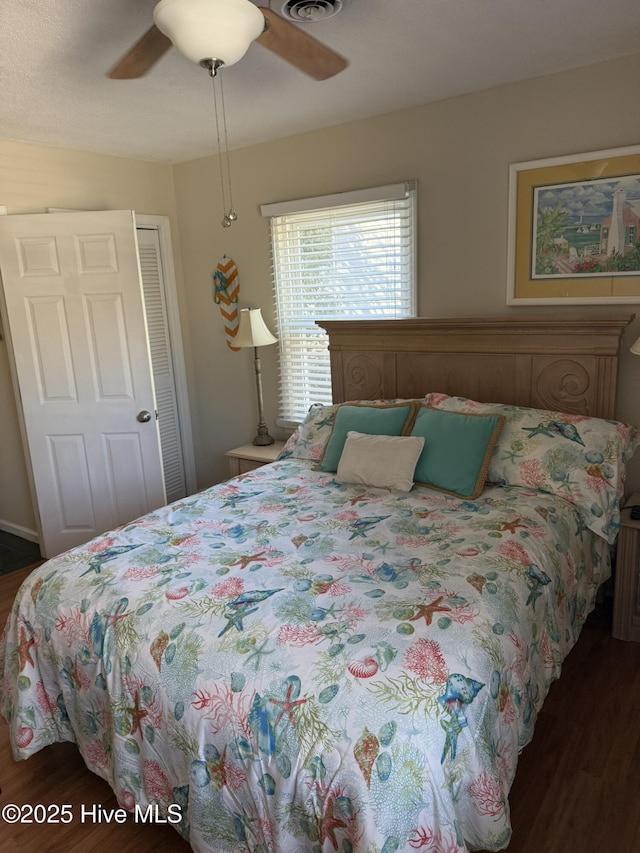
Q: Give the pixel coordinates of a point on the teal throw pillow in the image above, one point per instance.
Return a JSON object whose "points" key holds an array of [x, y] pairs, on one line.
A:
{"points": [[457, 449], [370, 420]]}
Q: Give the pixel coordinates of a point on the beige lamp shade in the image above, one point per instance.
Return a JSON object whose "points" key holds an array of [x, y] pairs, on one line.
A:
{"points": [[635, 349], [252, 330]]}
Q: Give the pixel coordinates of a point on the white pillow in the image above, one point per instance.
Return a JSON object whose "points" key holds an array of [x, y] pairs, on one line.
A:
{"points": [[384, 461]]}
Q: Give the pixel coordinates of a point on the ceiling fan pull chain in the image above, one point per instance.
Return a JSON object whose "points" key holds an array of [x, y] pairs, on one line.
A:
{"points": [[231, 215], [226, 221]]}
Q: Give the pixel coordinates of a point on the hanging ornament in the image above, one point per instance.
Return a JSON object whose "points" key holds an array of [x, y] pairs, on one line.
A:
{"points": [[226, 289]]}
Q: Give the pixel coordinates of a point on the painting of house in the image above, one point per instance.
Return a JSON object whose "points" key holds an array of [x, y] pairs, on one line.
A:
{"points": [[586, 228]]}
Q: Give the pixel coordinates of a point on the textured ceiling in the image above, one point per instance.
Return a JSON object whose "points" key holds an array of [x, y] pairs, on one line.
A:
{"points": [[54, 56]]}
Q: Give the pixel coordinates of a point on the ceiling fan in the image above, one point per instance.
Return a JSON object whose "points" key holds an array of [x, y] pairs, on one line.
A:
{"points": [[213, 33]]}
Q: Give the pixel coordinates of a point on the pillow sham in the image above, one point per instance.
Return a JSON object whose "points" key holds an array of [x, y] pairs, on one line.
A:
{"points": [[387, 419], [457, 449], [310, 438], [384, 461], [579, 458]]}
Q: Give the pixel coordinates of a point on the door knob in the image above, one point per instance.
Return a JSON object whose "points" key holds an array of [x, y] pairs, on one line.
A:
{"points": [[144, 416]]}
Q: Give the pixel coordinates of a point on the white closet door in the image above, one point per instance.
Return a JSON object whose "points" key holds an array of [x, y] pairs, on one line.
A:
{"points": [[162, 364]]}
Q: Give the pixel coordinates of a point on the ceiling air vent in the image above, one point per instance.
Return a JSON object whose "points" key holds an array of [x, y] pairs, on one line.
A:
{"points": [[304, 11]]}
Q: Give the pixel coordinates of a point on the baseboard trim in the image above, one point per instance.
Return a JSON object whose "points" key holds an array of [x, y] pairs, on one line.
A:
{"points": [[19, 530]]}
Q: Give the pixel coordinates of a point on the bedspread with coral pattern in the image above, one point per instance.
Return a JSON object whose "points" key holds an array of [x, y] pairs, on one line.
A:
{"points": [[298, 665]]}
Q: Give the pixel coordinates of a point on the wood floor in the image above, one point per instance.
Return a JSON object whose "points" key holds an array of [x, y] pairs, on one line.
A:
{"points": [[577, 789], [16, 552]]}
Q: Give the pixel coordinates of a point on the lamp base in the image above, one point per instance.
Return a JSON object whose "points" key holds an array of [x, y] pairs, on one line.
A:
{"points": [[263, 440]]}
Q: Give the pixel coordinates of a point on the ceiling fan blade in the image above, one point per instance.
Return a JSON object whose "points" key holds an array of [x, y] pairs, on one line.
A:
{"points": [[142, 56], [299, 49]]}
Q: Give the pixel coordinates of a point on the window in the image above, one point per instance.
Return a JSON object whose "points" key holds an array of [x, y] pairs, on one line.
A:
{"points": [[344, 256]]}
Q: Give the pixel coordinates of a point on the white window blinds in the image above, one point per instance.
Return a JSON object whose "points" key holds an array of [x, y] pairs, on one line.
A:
{"points": [[345, 256]]}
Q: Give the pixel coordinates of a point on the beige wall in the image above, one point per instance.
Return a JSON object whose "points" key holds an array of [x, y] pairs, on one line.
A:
{"points": [[460, 151], [32, 178]]}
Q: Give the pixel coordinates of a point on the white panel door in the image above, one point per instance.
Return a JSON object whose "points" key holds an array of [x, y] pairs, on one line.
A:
{"points": [[75, 317]]}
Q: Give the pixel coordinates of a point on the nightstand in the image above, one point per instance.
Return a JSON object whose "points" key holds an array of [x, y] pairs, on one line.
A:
{"points": [[250, 456], [626, 602]]}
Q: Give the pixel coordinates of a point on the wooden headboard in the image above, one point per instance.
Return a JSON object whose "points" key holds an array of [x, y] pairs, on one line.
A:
{"points": [[563, 363]]}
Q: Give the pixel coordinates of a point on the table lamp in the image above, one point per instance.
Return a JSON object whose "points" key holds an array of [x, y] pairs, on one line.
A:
{"points": [[253, 332]]}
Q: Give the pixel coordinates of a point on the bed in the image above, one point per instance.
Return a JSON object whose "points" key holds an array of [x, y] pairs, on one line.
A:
{"points": [[289, 661]]}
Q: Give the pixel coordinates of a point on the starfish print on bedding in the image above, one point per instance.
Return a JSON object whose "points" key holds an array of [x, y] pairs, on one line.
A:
{"points": [[287, 705], [234, 618], [137, 714], [258, 653], [24, 649], [427, 611], [244, 559], [330, 823], [512, 526], [358, 499]]}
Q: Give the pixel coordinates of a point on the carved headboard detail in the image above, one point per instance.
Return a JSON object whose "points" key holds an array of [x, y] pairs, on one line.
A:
{"points": [[565, 363]]}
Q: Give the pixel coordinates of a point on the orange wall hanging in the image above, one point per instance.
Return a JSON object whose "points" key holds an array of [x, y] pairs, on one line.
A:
{"points": [[226, 288]]}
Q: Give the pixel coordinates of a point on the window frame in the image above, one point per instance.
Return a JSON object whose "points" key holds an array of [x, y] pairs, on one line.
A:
{"points": [[406, 190]]}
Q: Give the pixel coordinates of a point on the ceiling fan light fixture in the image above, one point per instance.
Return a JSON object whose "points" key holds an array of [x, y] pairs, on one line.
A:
{"points": [[210, 29]]}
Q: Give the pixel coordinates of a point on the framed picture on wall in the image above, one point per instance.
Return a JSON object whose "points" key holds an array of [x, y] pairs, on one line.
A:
{"points": [[574, 229]]}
